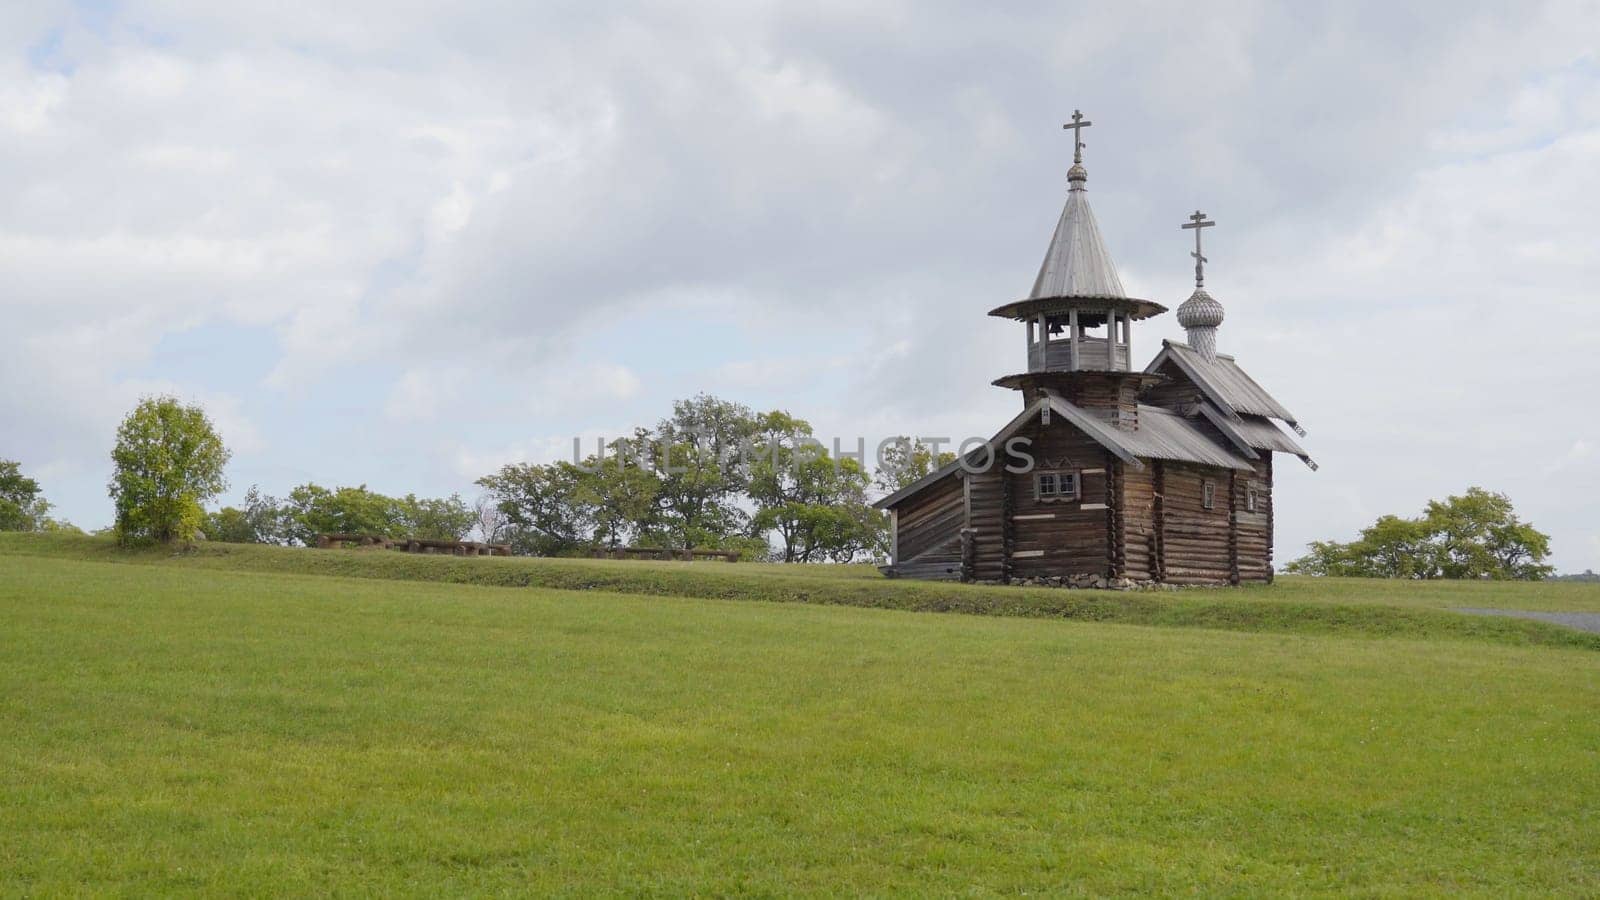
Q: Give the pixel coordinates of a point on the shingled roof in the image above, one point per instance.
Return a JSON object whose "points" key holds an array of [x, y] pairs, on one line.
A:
{"points": [[1224, 383]]}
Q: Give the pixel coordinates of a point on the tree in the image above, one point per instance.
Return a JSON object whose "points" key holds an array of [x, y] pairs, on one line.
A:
{"points": [[444, 519], [902, 461], [1478, 535], [263, 520], [21, 506], [313, 509], [542, 515], [617, 496], [699, 461], [228, 525], [488, 522], [1474, 535], [168, 461], [816, 504]]}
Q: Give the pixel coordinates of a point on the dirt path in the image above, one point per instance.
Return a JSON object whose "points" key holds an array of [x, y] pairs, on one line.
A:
{"points": [[1583, 621]]}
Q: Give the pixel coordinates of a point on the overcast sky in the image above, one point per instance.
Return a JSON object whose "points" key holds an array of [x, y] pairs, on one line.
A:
{"points": [[400, 246]]}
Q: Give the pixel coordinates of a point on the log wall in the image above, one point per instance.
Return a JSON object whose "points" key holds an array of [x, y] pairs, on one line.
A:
{"points": [[987, 519], [1197, 542], [1255, 528], [928, 531], [1138, 526], [1057, 537]]}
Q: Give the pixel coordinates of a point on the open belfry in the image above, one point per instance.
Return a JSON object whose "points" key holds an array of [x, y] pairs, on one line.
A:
{"points": [[1111, 476]]}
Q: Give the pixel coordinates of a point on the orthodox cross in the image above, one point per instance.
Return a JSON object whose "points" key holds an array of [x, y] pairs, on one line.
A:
{"points": [[1077, 125], [1197, 222]]}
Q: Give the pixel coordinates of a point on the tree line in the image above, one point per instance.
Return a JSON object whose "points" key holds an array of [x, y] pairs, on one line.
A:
{"points": [[713, 474]]}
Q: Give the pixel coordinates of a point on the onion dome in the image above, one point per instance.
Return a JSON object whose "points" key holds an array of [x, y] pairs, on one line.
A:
{"points": [[1201, 310], [1200, 315]]}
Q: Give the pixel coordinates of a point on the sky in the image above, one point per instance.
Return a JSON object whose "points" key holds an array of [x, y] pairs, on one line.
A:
{"points": [[402, 244]]}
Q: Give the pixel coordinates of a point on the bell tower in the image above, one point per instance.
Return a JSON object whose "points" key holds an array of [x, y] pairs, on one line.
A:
{"points": [[1078, 320]]}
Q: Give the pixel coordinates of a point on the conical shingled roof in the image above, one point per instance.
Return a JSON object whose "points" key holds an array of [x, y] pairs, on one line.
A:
{"points": [[1077, 263]]}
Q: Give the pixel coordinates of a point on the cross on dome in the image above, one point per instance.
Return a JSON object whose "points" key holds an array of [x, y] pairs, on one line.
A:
{"points": [[1197, 222], [1077, 125]]}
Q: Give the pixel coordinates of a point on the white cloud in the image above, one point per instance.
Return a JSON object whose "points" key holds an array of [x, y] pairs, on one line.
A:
{"points": [[429, 209]]}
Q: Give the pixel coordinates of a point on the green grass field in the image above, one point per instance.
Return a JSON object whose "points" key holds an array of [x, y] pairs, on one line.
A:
{"points": [[254, 720]]}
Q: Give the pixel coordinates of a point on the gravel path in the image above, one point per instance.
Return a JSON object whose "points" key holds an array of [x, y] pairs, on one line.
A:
{"points": [[1583, 621]]}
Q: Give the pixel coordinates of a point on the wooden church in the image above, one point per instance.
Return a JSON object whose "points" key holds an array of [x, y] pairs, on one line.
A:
{"points": [[1111, 476]]}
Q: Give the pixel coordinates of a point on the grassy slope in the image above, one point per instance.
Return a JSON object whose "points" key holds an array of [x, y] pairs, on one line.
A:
{"points": [[1318, 606], [165, 729]]}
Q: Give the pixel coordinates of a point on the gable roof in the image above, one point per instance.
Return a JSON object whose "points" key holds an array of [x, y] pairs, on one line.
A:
{"points": [[1162, 434], [1224, 383]]}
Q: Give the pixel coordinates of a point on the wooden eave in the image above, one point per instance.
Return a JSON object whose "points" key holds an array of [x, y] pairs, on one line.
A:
{"points": [[1022, 310]]}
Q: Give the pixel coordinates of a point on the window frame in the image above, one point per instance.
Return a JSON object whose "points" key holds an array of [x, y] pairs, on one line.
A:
{"points": [[1208, 494], [1252, 498], [1058, 478]]}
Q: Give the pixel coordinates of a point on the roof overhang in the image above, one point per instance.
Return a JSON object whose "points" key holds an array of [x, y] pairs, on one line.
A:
{"points": [[1049, 380], [1022, 310], [1254, 433]]}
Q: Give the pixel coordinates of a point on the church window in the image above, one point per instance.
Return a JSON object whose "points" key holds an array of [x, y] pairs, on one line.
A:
{"points": [[1055, 485], [1208, 495]]}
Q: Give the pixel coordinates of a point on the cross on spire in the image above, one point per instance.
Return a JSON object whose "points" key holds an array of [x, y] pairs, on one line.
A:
{"points": [[1077, 125], [1197, 222]]}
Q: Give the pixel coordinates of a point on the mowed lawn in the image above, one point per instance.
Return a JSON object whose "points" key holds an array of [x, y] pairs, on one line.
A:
{"points": [[169, 729]]}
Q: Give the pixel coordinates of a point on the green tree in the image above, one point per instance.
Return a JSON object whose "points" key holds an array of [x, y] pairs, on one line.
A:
{"points": [[698, 457], [262, 520], [816, 505], [1474, 535], [540, 503], [21, 506], [313, 510], [443, 519], [228, 525], [168, 461], [902, 461], [618, 496], [1478, 535]]}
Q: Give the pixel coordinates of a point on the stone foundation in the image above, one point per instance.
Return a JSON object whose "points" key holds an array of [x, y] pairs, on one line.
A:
{"points": [[1087, 582]]}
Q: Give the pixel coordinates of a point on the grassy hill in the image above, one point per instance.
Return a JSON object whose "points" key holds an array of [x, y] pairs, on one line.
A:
{"points": [[238, 720], [1303, 605]]}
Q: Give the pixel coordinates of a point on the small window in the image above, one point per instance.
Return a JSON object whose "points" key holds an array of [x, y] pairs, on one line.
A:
{"points": [[1208, 495], [1250, 498], [1055, 485]]}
